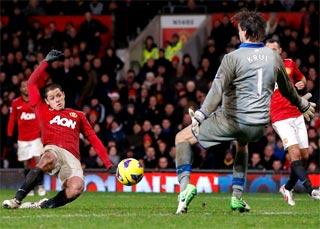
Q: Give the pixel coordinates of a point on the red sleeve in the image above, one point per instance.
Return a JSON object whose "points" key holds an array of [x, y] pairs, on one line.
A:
{"points": [[37, 80], [12, 120], [89, 133], [296, 72]]}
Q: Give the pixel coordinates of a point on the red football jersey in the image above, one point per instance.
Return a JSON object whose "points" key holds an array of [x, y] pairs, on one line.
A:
{"points": [[62, 127], [280, 107], [22, 114]]}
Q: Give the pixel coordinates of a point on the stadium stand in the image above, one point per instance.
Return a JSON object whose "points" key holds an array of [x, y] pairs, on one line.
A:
{"points": [[139, 113]]}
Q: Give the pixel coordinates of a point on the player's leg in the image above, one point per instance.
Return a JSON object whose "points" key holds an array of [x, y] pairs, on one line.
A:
{"points": [[239, 175], [300, 166], [73, 188], [71, 175], [26, 170], [184, 157], [46, 164], [286, 129], [39, 187]]}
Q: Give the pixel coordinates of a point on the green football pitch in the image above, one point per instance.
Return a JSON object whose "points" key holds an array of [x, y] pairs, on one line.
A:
{"points": [[140, 210]]}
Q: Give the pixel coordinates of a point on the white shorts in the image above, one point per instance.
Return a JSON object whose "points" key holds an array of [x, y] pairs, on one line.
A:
{"points": [[67, 165], [29, 149], [292, 131]]}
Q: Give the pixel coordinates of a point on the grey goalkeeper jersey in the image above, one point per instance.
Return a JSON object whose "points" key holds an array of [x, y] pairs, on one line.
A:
{"points": [[245, 82]]}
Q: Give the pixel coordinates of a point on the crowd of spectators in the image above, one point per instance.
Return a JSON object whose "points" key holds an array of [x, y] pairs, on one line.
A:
{"points": [[138, 114]]}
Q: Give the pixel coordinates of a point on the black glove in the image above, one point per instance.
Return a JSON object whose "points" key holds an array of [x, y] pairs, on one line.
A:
{"points": [[54, 55], [112, 169]]}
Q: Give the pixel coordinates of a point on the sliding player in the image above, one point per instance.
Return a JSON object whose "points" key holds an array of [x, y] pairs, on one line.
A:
{"points": [[60, 130]]}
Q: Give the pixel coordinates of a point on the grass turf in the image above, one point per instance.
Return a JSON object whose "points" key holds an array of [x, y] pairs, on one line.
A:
{"points": [[140, 210]]}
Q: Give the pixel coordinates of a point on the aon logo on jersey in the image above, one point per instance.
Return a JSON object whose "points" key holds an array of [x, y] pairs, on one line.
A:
{"points": [[63, 122], [27, 116]]}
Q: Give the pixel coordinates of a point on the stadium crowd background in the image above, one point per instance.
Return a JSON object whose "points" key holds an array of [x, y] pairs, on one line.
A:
{"points": [[138, 114]]}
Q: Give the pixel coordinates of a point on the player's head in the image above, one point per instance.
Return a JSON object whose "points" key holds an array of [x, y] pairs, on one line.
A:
{"points": [[274, 45], [54, 96], [23, 88], [251, 26]]}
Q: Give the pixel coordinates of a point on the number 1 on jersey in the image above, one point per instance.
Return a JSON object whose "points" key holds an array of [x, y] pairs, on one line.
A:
{"points": [[259, 75]]}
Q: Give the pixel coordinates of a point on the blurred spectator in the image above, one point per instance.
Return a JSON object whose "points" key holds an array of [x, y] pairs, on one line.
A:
{"points": [[150, 50], [163, 163], [150, 161], [276, 166], [268, 157], [96, 7], [113, 155], [90, 32], [255, 162], [174, 46], [279, 152], [33, 8]]}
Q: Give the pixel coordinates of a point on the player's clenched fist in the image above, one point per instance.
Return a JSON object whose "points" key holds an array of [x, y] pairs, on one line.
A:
{"points": [[308, 111], [196, 118], [54, 55]]}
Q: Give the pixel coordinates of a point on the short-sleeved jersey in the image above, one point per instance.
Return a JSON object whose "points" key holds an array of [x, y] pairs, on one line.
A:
{"points": [[23, 116], [281, 108], [245, 81]]}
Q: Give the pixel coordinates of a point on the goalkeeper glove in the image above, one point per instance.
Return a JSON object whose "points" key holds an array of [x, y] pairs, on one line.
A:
{"points": [[54, 55], [197, 118], [309, 109]]}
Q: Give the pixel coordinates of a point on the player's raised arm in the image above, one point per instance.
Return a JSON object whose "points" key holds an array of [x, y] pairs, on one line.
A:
{"points": [[89, 133], [221, 81], [39, 76], [288, 91]]}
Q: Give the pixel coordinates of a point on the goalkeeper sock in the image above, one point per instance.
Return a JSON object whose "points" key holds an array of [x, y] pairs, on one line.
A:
{"points": [[239, 172], [29, 184], [184, 157], [298, 169], [57, 201]]}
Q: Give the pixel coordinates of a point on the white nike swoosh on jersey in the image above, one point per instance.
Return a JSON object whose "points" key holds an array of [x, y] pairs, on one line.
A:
{"points": [[19, 107]]}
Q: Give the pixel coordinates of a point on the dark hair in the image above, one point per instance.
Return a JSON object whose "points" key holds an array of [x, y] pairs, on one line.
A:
{"points": [[274, 41], [251, 22], [50, 87]]}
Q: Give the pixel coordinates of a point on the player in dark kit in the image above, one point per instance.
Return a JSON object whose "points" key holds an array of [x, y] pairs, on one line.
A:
{"points": [[29, 142], [60, 130]]}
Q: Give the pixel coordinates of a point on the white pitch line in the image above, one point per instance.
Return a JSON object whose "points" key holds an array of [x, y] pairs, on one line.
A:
{"points": [[80, 215]]}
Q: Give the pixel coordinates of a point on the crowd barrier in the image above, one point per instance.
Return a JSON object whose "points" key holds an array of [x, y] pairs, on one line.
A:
{"points": [[166, 182]]}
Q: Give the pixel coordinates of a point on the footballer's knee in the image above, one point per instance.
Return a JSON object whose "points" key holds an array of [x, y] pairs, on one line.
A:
{"points": [[304, 154], [74, 187], [294, 152], [185, 135]]}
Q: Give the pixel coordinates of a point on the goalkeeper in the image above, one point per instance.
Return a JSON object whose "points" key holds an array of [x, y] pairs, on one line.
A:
{"points": [[244, 84]]}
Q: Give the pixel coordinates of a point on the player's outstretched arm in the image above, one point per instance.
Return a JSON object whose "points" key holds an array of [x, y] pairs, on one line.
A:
{"points": [[223, 78], [35, 82], [289, 92], [89, 133], [39, 77]]}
